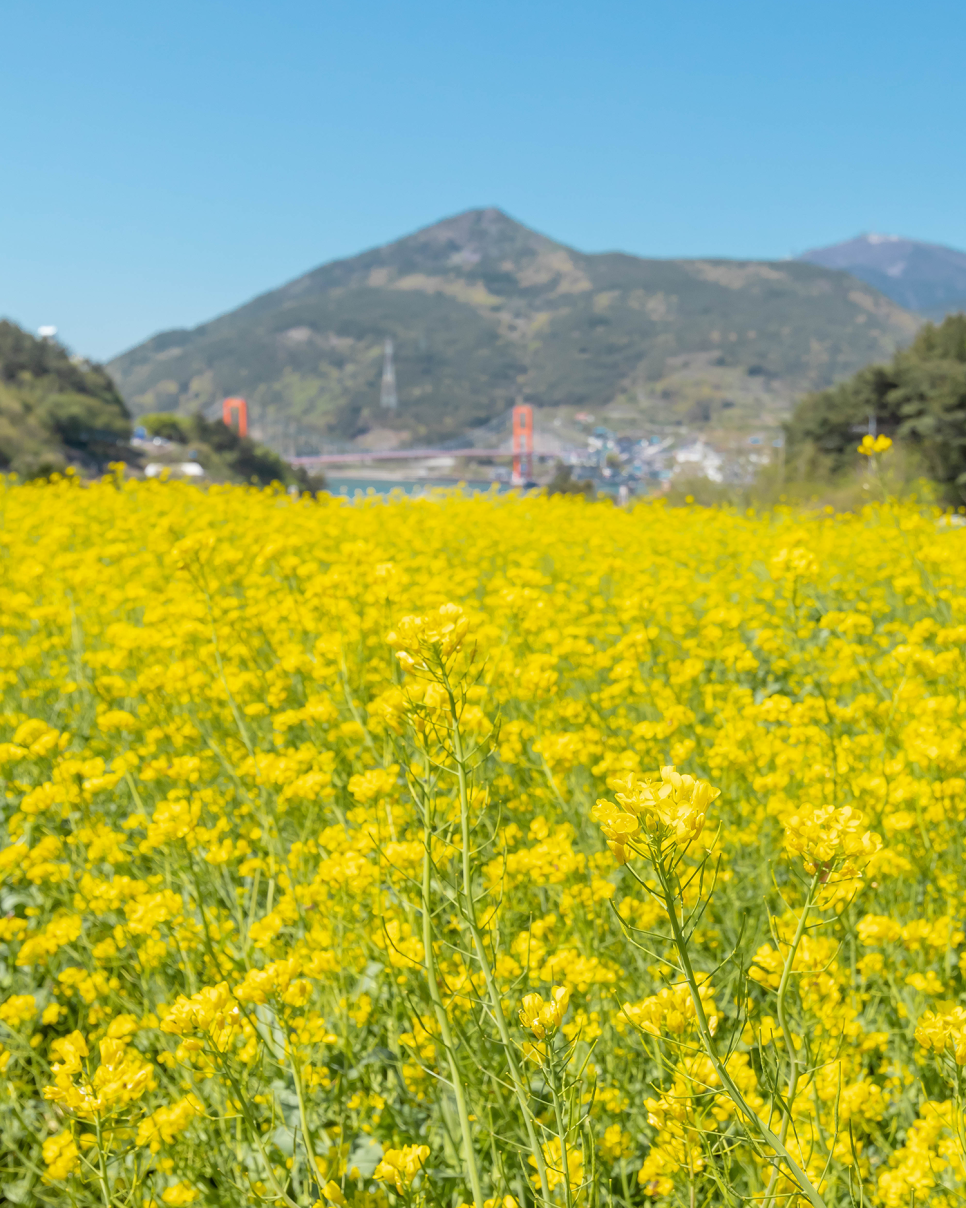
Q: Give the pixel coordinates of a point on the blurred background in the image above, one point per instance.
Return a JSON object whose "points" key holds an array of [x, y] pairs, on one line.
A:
{"points": [[783, 187]]}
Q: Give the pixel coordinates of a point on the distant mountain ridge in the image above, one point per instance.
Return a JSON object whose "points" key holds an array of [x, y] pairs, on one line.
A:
{"points": [[924, 277], [483, 312]]}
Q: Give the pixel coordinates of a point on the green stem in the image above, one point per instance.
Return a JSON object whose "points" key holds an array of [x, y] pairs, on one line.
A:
{"points": [[306, 1135], [241, 1100], [442, 1020], [493, 992], [561, 1131], [793, 1062], [773, 1142], [101, 1164]]}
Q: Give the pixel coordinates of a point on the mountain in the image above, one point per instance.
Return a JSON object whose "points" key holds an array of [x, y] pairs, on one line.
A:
{"points": [[483, 311], [923, 277], [55, 409]]}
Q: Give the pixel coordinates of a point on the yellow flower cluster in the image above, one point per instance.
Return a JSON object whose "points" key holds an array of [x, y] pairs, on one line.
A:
{"points": [[672, 1010], [671, 808], [121, 1076], [833, 843], [304, 890], [400, 1166], [944, 1031], [874, 444], [540, 1016], [419, 640]]}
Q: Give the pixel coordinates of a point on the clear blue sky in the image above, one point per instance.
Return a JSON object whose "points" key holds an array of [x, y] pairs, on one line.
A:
{"points": [[162, 163]]}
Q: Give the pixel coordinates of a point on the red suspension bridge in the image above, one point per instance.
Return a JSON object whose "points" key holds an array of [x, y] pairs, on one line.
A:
{"points": [[522, 452], [334, 459]]}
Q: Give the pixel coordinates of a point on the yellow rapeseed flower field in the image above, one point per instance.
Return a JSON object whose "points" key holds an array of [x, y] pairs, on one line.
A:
{"points": [[499, 851]]}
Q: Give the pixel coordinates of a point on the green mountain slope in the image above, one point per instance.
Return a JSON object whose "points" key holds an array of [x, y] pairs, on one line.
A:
{"points": [[55, 410], [483, 312]]}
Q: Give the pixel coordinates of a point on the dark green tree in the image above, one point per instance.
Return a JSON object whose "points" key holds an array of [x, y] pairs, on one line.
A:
{"points": [[564, 483], [918, 398]]}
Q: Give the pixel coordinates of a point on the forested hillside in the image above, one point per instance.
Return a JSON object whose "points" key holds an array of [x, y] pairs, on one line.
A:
{"points": [[54, 409]]}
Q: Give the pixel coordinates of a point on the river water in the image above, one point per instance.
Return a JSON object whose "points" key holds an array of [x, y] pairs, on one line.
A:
{"points": [[342, 484], [351, 486]]}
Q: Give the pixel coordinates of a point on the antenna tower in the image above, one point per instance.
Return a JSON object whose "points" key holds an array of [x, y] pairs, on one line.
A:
{"points": [[387, 395]]}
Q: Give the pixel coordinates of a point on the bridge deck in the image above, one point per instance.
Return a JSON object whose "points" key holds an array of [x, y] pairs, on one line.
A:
{"points": [[332, 459]]}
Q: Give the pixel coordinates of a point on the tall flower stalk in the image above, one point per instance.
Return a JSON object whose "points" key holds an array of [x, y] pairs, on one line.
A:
{"points": [[660, 818], [437, 649]]}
